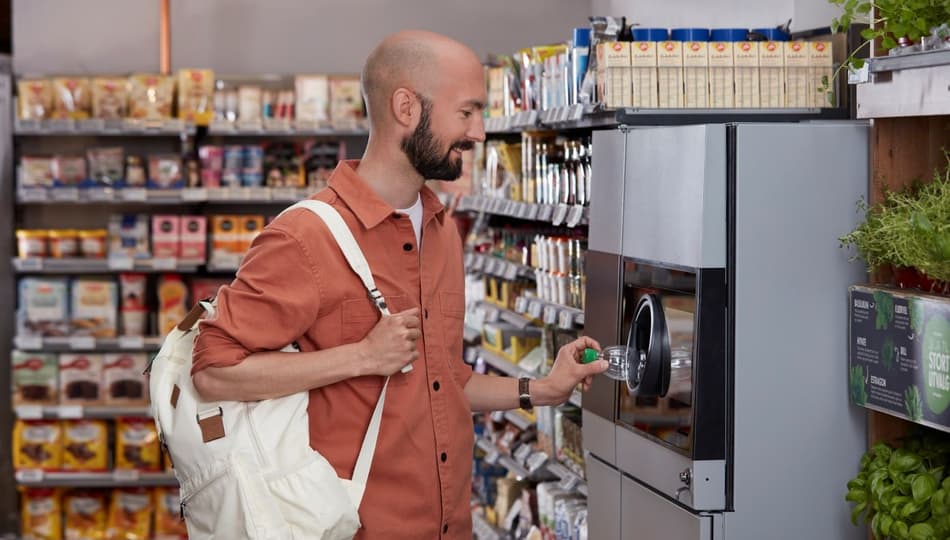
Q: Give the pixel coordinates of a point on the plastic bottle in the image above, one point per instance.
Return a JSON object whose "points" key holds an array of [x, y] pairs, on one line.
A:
{"points": [[616, 355]]}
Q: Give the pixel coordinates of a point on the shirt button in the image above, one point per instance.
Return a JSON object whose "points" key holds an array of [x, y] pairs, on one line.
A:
{"points": [[425, 313], [435, 386], [445, 528], [444, 457], [407, 247]]}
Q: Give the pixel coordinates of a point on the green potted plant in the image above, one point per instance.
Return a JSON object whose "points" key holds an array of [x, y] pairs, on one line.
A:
{"points": [[890, 21]]}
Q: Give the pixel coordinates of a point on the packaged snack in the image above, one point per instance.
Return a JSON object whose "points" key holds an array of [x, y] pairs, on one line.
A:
{"points": [[94, 308], [251, 227], [86, 513], [63, 243], [130, 515], [194, 235], [151, 96], [312, 98], [168, 523], [43, 308], [110, 97], [206, 288], [132, 304], [212, 158], [135, 172], [36, 172], [172, 303], [233, 158], [164, 172], [196, 95], [346, 101], [79, 379], [192, 173], [41, 514], [165, 235], [124, 380], [35, 97], [32, 243], [249, 103], [37, 444], [136, 445], [85, 445], [128, 236], [71, 98], [68, 170], [106, 165], [92, 243], [34, 377], [225, 241]]}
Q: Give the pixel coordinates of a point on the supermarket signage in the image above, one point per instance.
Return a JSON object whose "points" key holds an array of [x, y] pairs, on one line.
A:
{"points": [[899, 354]]}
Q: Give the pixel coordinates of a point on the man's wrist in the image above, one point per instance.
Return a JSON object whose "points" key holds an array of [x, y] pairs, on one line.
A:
{"points": [[541, 394]]}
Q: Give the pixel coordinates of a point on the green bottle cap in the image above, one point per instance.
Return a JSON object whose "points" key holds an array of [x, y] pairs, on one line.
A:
{"points": [[589, 356]]}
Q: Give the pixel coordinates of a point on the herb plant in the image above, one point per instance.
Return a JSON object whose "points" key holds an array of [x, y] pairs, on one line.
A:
{"points": [[887, 354], [859, 393], [884, 306], [912, 404]]}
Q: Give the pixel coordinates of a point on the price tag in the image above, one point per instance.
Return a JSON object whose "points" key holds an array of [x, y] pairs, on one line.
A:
{"points": [[521, 304], [29, 343], [532, 118], [165, 263], [33, 195], [550, 315], [70, 412], [568, 483], [120, 262], [29, 476], [99, 194], [533, 211], [536, 461], [511, 271], [132, 342], [511, 208], [492, 457], [560, 214], [859, 76], [545, 212], [82, 343], [65, 194], [575, 215], [577, 112], [29, 412], [283, 194], [125, 475], [258, 193], [194, 194], [579, 319], [522, 453], [535, 308], [491, 265], [565, 319], [32, 264], [134, 194], [468, 260], [479, 263]]}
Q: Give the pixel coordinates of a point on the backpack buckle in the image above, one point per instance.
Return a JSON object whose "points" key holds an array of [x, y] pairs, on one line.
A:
{"points": [[377, 298], [211, 424]]}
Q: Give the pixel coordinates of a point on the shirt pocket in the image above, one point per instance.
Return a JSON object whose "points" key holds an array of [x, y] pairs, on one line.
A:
{"points": [[452, 306], [359, 316]]}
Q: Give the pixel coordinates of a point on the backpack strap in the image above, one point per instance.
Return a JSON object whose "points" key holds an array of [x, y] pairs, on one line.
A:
{"points": [[354, 256]]}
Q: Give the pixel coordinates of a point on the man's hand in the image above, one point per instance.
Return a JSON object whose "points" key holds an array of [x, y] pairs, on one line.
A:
{"points": [[391, 344], [567, 373]]}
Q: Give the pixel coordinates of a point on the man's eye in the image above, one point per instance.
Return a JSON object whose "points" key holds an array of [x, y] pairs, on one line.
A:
{"points": [[466, 114]]}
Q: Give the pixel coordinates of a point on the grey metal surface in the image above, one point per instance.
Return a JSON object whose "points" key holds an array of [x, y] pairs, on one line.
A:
{"points": [[8, 499], [911, 92], [797, 439], [602, 323], [606, 191], [909, 61], [674, 198], [648, 516], [603, 501], [660, 468], [600, 435]]}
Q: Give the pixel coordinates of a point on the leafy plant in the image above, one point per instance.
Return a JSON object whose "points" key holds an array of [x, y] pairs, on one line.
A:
{"points": [[916, 315], [913, 405], [887, 354], [859, 393], [903, 492], [884, 307]]}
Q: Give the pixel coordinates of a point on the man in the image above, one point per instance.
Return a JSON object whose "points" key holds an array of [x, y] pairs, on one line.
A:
{"points": [[425, 94]]}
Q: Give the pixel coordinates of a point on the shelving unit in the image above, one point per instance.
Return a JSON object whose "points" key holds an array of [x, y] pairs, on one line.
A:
{"points": [[114, 479], [73, 412], [513, 370], [159, 197], [87, 344]]}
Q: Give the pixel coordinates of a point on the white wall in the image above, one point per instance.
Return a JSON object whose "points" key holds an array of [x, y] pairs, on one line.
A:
{"points": [[805, 14], [267, 36]]}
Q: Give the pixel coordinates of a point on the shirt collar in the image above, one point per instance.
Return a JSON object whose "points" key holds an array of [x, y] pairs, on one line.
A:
{"points": [[368, 207]]}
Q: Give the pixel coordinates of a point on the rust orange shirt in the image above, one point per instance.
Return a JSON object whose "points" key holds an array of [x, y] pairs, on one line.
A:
{"points": [[295, 285]]}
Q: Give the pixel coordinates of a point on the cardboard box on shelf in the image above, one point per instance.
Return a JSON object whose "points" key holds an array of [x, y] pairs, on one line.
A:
{"points": [[797, 94], [696, 74], [772, 74], [194, 237], [746, 54], [80, 379], [821, 66], [123, 378], [35, 378], [166, 231], [613, 58], [721, 75], [94, 307], [669, 61], [643, 60]]}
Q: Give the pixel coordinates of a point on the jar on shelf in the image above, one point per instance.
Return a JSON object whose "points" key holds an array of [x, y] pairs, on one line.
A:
{"points": [[63, 243], [31, 243], [92, 243]]}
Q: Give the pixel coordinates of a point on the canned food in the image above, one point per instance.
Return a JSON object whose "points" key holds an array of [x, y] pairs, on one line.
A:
{"points": [[63, 243], [31, 243]]}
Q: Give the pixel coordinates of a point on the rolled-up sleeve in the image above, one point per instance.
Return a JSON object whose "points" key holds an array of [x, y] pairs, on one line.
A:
{"points": [[274, 300]]}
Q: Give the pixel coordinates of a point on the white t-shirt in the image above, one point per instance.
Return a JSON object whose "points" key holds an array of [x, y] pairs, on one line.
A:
{"points": [[415, 216]]}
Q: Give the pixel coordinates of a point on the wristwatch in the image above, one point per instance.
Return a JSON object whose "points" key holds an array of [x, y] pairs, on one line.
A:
{"points": [[524, 394]]}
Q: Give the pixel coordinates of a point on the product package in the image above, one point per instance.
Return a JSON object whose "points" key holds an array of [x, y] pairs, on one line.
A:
{"points": [[36, 171], [132, 308], [106, 165], [94, 308], [41, 514], [44, 307], [797, 70], [136, 445], [212, 165], [92, 243], [165, 172], [168, 522], [312, 93], [35, 99], [37, 445], [128, 236], [85, 445], [130, 515], [80, 377], [225, 242], [86, 512], [68, 171], [110, 98], [193, 239], [172, 302], [71, 98], [196, 95], [249, 104], [251, 227], [135, 175], [151, 96], [346, 102], [206, 288], [35, 377], [63, 243], [165, 236], [124, 380]]}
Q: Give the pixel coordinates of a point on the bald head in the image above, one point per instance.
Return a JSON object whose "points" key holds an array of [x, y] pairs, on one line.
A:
{"points": [[412, 59]]}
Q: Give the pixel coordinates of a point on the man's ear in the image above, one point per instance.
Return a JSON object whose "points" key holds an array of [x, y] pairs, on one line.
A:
{"points": [[403, 104]]}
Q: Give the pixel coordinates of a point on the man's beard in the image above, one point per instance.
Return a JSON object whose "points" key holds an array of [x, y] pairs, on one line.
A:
{"points": [[424, 150]]}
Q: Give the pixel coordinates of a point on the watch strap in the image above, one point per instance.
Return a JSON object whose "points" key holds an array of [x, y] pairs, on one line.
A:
{"points": [[524, 393]]}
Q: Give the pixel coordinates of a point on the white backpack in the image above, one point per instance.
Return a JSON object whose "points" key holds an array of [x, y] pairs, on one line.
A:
{"points": [[246, 469]]}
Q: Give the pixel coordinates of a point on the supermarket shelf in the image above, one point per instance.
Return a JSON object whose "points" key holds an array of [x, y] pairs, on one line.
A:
{"points": [[68, 412], [471, 335], [559, 214], [99, 128], [87, 266], [505, 314], [519, 420], [95, 480], [513, 467], [512, 370], [883, 64], [84, 343], [667, 117], [569, 480], [549, 312], [494, 266], [481, 530], [277, 128], [99, 195], [484, 445]]}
